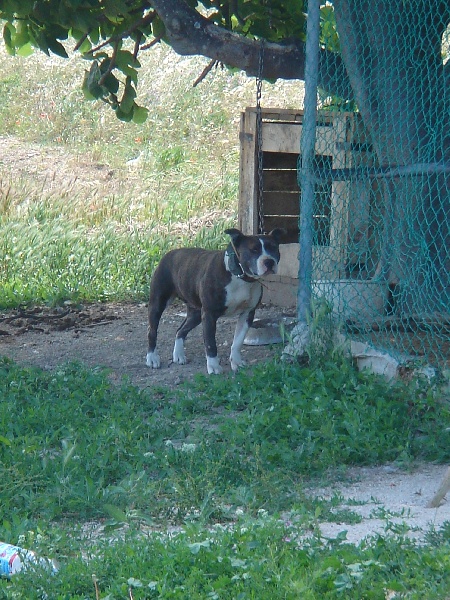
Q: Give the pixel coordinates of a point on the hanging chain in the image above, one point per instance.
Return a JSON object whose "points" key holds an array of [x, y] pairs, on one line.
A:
{"points": [[259, 140]]}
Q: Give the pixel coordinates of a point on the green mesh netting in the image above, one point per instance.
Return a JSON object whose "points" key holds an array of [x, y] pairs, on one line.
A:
{"points": [[381, 254]]}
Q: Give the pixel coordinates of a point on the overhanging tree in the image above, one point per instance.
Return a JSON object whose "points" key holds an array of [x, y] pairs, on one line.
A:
{"points": [[386, 56]]}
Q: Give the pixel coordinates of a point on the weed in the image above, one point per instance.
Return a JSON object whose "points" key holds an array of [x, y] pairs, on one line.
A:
{"points": [[259, 558], [75, 447], [223, 444]]}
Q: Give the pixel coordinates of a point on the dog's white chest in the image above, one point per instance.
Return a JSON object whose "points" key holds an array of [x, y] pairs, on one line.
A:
{"points": [[241, 296]]}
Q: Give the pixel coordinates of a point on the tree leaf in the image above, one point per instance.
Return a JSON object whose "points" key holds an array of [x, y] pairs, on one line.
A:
{"points": [[57, 48], [140, 114], [129, 94], [126, 117], [8, 31], [25, 50], [91, 88]]}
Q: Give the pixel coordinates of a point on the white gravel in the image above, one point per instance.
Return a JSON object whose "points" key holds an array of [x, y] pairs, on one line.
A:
{"points": [[388, 496]]}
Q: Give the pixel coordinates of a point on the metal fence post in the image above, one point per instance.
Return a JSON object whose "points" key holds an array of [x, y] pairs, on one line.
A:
{"points": [[307, 152]]}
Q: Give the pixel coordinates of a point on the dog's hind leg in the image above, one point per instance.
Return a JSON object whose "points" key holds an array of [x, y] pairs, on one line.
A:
{"points": [[192, 319], [156, 306]]}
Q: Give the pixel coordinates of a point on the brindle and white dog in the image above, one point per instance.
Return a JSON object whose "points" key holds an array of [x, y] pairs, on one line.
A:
{"points": [[213, 284]]}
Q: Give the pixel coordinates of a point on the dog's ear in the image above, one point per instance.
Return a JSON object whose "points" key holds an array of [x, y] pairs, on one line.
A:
{"points": [[235, 235], [277, 234]]}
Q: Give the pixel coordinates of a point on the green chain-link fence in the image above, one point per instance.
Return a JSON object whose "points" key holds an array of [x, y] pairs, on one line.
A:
{"points": [[381, 233]]}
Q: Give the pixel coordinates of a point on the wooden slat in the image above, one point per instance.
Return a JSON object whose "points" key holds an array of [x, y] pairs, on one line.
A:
{"points": [[281, 203], [278, 160], [283, 181], [248, 212], [285, 137]]}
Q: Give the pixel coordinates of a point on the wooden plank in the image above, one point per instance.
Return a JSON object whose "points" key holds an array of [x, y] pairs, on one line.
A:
{"points": [[288, 223], [281, 203], [285, 137], [277, 180], [248, 192], [280, 160]]}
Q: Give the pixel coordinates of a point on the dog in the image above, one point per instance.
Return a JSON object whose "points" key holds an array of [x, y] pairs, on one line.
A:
{"points": [[212, 284]]}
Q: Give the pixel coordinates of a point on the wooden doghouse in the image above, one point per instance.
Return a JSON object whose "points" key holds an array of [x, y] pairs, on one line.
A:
{"points": [[339, 144]]}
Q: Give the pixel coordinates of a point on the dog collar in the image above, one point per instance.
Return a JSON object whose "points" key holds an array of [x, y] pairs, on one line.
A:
{"points": [[235, 267]]}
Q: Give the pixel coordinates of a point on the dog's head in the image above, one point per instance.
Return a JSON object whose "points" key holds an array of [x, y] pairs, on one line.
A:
{"points": [[256, 255]]}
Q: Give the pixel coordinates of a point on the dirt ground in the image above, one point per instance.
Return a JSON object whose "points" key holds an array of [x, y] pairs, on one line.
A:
{"points": [[115, 336]]}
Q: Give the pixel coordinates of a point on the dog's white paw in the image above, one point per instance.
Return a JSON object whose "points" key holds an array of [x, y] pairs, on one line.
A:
{"points": [[153, 360], [213, 366], [237, 361], [178, 355]]}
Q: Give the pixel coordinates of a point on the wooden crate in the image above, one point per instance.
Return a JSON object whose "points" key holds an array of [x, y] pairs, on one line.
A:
{"points": [[337, 134]]}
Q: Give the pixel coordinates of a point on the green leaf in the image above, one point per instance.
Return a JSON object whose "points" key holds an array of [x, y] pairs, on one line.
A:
{"points": [[91, 88], [22, 36], [8, 31], [126, 117], [116, 513], [111, 83], [196, 546], [124, 58], [85, 47], [25, 50], [57, 48], [130, 72], [40, 40], [94, 35], [158, 27], [127, 102], [140, 114]]}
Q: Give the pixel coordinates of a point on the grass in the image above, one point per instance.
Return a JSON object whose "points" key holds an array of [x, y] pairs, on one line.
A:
{"points": [[97, 201], [247, 441], [224, 459], [255, 559]]}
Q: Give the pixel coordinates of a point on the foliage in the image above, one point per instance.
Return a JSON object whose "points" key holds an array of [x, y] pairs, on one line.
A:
{"points": [[198, 454], [74, 447], [120, 189], [259, 558], [101, 29]]}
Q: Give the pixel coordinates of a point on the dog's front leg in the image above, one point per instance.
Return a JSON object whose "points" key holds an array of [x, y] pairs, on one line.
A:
{"points": [[209, 322], [154, 315], [242, 325]]}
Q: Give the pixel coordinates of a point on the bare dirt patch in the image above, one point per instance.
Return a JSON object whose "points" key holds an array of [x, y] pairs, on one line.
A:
{"points": [[114, 336], [55, 169], [387, 498]]}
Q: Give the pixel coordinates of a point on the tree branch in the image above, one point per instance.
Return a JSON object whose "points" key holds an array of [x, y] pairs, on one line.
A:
{"points": [[190, 33]]}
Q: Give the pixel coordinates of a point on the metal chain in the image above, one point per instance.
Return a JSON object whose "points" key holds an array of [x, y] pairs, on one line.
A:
{"points": [[259, 140]]}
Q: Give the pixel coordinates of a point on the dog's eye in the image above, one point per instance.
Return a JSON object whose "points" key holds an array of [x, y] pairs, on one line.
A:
{"points": [[255, 250]]}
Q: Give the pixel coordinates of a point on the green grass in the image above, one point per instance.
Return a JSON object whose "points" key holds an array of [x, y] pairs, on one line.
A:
{"points": [[71, 231], [75, 448], [75, 443], [256, 559]]}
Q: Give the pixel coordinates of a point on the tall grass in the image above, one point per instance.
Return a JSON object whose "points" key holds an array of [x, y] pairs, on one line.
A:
{"points": [[88, 204]]}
